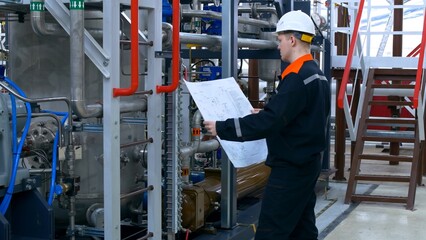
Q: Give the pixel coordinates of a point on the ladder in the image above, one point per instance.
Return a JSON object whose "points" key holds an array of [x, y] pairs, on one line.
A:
{"points": [[409, 134]]}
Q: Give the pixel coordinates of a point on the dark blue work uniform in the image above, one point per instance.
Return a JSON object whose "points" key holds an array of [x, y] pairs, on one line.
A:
{"points": [[294, 124]]}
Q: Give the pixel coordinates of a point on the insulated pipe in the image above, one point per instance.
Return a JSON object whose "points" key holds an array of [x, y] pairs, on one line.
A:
{"points": [[38, 23], [216, 41], [272, 10], [175, 51], [77, 92], [134, 51], [217, 15], [204, 146], [77, 61], [195, 144]]}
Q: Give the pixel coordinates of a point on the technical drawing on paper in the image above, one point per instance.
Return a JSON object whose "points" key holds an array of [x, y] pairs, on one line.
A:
{"points": [[222, 99]]}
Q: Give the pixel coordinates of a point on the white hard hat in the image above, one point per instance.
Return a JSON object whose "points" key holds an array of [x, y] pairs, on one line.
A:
{"points": [[296, 21]]}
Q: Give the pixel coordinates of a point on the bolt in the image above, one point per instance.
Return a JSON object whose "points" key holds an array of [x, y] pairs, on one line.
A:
{"points": [[106, 63]]}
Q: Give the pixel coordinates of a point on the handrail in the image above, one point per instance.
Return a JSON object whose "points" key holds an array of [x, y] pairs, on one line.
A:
{"points": [[175, 51], [415, 51], [347, 70], [420, 69], [134, 52]]}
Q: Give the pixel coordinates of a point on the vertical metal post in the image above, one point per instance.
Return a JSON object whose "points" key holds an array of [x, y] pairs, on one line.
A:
{"points": [[111, 113], [155, 107], [229, 69]]}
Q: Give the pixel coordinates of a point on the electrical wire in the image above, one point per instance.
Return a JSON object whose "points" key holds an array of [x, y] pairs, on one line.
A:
{"points": [[202, 60], [6, 200]]}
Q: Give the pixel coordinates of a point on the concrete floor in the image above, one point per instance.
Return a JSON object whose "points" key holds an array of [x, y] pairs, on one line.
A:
{"points": [[366, 220]]}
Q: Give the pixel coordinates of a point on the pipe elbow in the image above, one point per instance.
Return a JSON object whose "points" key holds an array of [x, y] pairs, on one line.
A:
{"points": [[86, 111]]}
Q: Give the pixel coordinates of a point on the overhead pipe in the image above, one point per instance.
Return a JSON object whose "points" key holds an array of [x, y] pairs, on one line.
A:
{"points": [[134, 53], [175, 51], [41, 28], [218, 16], [38, 22], [262, 9], [215, 41]]}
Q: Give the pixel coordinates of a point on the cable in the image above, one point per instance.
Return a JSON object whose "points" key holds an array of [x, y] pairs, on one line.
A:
{"points": [[203, 60], [6, 200], [55, 155]]}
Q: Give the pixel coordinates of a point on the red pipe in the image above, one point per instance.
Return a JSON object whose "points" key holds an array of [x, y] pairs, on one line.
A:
{"points": [[420, 69], [175, 51], [134, 53], [347, 70]]}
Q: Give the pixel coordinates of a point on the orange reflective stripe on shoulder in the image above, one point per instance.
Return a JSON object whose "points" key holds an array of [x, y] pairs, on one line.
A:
{"points": [[295, 66]]}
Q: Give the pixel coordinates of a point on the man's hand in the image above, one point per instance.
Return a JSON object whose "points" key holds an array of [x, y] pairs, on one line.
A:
{"points": [[255, 110], [211, 127]]}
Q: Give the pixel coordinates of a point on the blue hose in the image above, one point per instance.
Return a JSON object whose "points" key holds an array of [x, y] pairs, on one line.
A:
{"points": [[55, 155], [6, 200]]}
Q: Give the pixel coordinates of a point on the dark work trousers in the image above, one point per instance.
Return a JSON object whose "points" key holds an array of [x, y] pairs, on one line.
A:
{"points": [[288, 203]]}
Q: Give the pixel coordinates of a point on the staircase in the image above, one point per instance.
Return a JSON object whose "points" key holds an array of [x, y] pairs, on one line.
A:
{"points": [[398, 78], [409, 134]]}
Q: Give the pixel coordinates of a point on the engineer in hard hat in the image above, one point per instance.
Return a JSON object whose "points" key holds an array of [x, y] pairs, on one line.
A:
{"points": [[294, 123]]}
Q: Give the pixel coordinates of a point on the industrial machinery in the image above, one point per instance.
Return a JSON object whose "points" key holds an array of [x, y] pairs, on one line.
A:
{"points": [[85, 155]]}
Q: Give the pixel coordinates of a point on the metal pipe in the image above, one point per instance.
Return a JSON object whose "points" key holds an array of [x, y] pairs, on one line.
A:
{"points": [[58, 121], [77, 62], [272, 10], [175, 51], [204, 146], [217, 15], [148, 235], [37, 100], [196, 128], [40, 27], [216, 41], [134, 52], [139, 191]]}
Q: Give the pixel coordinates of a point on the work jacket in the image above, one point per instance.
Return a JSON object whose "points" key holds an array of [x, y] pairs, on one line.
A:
{"points": [[294, 121]]}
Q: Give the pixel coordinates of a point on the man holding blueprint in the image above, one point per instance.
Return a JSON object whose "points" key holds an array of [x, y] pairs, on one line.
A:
{"points": [[294, 124]]}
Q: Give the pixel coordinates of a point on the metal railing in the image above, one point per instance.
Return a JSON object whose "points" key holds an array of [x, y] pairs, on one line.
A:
{"points": [[361, 58]]}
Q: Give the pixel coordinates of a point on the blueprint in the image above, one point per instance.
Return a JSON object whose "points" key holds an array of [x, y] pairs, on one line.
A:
{"points": [[219, 100]]}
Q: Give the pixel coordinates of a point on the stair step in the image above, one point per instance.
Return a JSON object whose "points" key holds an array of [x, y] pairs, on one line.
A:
{"points": [[389, 136], [382, 178], [387, 139], [393, 86], [382, 157], [395, 74], [390, 121], [390, 103], [378, 198]]}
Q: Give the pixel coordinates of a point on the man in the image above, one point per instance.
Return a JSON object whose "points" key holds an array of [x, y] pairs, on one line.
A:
{"points": [[294, 124]]}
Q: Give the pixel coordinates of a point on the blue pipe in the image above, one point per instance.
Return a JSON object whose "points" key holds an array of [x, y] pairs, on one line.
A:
{"points": [[55, 155], [6, 200]]}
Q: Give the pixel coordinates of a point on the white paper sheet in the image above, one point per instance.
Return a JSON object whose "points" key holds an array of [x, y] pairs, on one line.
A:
{"points": [[222, 99]]}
